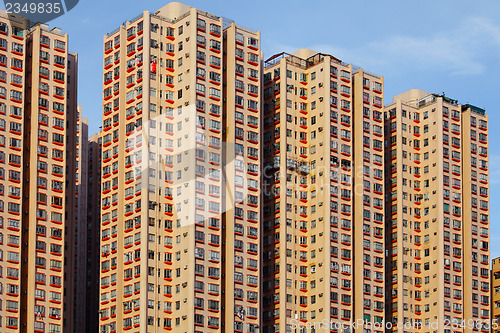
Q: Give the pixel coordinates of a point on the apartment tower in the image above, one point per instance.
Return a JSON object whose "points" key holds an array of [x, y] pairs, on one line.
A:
{"points": [[79, 229], [437, 213], [323, 193], [93, 215], [180, 174], [38, 122], [495, 294]]}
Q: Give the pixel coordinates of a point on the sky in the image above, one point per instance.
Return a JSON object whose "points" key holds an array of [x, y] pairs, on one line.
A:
{"points": [[450, 46]]}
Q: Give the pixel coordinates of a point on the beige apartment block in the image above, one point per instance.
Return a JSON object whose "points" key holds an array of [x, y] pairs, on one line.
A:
{"points": [[323, 194], [12, 173], [38, 170], [180, 174], [437, 214], [495, 295]]}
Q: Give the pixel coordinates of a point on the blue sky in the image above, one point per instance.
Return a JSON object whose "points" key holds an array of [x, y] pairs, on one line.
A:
{"points": [[450, 46]]}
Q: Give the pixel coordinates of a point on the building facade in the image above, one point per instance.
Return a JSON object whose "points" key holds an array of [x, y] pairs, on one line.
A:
{"points": [[437, 213], [93, 211], [80, 228], [495, 294], [11, 174], [323, 193], [205, 205], [180, 174], [38, 129]]}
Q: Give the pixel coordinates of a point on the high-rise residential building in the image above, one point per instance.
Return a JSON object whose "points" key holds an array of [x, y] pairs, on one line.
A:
{"points": [[11, 173], [38, 168], [323, 193], [93, 262], [495, 295], [180, 206], [76, 178], [437, 212], [80, 227]]}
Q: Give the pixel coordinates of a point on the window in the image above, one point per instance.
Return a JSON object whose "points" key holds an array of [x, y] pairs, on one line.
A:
{"points": [[253, 58], [16, 95], [62, 45], [60, 60], [253, 42], [215, 61], [214, 93]]}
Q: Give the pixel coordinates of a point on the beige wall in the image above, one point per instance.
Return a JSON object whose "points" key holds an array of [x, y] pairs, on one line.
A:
{"points": [[12, 175], [34, 281], [189, 210], [440, 229], [313, 212], [495, 294]]}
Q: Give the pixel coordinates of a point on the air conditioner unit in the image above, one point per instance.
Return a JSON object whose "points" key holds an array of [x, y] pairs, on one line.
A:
{"points": [[184, 317], [184, 284], [187, 23], [320, 129], [187, 87], [320, 295], [321, 99], [320, 84], [187, 55], [186, 103], [185, 234]]}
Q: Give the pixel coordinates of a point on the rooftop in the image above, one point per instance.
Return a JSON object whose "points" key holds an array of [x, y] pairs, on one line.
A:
{"points": [[295, 60], [306, 58], [45, 27], [475, 109], [175, 11], [418, 98]]}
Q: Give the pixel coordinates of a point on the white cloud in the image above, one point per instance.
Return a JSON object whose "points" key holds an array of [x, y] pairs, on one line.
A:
{"points": [[458, 50]]}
